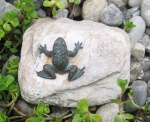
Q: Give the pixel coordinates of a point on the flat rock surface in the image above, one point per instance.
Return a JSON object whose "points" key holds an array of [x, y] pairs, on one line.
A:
{"points": [[105, 54]]}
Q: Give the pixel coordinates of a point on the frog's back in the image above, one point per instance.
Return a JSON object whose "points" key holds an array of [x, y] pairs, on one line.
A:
{"points": [[60, 54]]}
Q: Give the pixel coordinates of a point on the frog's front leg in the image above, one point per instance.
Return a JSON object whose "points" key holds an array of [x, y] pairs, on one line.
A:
{"points": [[74, 72], [45, 51], [75, 51], [48, 72]]}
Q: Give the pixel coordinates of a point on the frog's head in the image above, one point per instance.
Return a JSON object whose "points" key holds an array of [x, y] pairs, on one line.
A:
{"points": [[60, 42]]}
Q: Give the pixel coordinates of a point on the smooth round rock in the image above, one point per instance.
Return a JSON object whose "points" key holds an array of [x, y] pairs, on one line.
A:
{"points": [[38, 3], [61, 13], [92, 9], [121, 4], [24, 107], [129, 13], [145, 11], [41, 13], [111, 15], [139, 88], [134, 3], [108, 112], [138, 51], [137, 32]]}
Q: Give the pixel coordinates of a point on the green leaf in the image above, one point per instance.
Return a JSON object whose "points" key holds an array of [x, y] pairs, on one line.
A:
{"points": [[145, 107], [41, 108], [60, 5], [2, 86], [118, 118], [83, 105], [1, 96], [95, 117], [76, 2], [8, 44], [2, 33], [71, 1], [7, 27], [54, 12], [77, 118], [58, 119], [131, 93], [14, 67], [17, 31], [10, 15], [14, 61], [3, 118], [13, 50], [122, 84], [127, 101], [48, 3], [114, 101], [129, 116], [9, 79], [27, 1], [14, 22], [34, 119], [13, 72], [1, 21], [33, 14]]}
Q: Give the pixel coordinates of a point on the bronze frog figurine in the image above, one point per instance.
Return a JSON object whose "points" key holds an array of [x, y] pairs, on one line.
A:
{"points": [[60, 60]]}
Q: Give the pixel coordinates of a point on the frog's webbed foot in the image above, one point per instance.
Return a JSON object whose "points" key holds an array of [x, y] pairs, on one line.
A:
{"points": [[78, 45], [75, 72], [47, 72]]}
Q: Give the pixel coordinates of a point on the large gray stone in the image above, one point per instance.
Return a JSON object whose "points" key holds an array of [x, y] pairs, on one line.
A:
{"points": [[108, 112], [129, 13], [111, 15], [145, 11], [139, 88], [105, 54], [92, 9], [137, 32]]}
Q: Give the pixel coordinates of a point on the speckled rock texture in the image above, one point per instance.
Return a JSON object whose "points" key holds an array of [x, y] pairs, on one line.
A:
{"points": [[92, 9], [105, 54]]}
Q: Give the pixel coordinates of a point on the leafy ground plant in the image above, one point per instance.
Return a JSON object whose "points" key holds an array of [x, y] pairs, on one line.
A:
{"points": [[39, 112], [13, 27], [82, 114], [122, 116], [128, 25], [54, 4]]}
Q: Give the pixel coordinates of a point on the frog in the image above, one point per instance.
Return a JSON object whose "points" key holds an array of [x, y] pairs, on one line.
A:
{"points": [[60, 60]]}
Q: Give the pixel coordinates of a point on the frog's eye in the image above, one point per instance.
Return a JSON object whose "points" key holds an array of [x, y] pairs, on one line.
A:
{"points": [[55, 42], [63, 43]]}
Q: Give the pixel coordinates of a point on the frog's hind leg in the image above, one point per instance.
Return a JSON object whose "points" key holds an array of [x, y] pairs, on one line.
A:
{"points": [[74, 72], [47, 72]]}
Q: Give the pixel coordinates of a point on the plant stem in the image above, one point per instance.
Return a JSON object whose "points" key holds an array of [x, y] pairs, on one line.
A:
{"points": [[72, 11], [19, 112], [137, 106], [10, 109]]}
